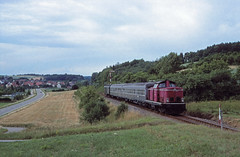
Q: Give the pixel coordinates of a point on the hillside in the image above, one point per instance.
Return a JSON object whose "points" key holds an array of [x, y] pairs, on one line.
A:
{"points": [[229, 52], [204, 75]]}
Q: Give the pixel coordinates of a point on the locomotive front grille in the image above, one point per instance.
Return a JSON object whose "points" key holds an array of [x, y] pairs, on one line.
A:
{"points": [[178, 99]]}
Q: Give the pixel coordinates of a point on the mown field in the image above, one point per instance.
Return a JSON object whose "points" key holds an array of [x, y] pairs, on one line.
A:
{"points": [[56, 110], [131, 135]]}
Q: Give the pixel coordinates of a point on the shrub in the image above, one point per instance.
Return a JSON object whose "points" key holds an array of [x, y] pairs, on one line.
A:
{"points": [[74, 87], [95, 108], [58, 90], [121, 109], [29, 92], [18, 97], [87, 94], [5, 100], [95, 111]]}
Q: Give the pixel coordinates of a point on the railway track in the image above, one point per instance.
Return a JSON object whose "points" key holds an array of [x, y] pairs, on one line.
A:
{"points": [[201, 121], [185, 118]]}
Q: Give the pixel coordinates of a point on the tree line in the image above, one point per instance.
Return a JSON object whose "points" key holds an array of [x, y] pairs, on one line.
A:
{"points": [[204, 75], [63, 77]]}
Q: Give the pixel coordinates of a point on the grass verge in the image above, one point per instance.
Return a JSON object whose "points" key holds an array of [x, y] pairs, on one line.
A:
{"points": [[4, 104], [163, 139], [210, 110], [2, 130], [43, 132]]}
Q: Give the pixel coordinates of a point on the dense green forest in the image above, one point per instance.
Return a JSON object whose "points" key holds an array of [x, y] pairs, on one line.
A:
{"points": [[204, 75]]}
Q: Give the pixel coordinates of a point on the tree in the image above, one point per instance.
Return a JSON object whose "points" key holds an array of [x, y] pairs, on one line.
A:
{"points": [[237, 75], [198, 87], [94, 77], [95, 111], [181, 58], [95, 108], [207, 67], [168, 64], [74, 87], [140, 77], [222, 84]]}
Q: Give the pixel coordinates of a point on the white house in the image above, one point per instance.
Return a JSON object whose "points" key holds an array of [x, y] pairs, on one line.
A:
{"points": [[59, 85]]}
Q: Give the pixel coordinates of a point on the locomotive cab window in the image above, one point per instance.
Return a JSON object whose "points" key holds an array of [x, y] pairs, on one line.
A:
{"points": [[172, 85], [162, 85], [155, 86]]}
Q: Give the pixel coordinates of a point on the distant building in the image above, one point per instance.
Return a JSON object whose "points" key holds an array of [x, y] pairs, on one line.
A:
{"points": [[59, 85], [8, 85]]}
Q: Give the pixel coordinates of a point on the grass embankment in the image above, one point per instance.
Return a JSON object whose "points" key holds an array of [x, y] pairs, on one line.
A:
{"points": [[210, 109], [165, 139], [2, 130]]}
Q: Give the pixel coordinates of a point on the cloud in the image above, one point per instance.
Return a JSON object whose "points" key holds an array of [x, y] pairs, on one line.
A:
{"points": [[105, 32], [82, 22]]}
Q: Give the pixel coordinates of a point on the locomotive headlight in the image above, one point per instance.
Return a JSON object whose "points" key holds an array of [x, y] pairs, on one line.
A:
{"points": [[167, 99], [182, 99]]}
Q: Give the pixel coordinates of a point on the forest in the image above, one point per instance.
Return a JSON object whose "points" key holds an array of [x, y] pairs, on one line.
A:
{"points": [[209, 74]]}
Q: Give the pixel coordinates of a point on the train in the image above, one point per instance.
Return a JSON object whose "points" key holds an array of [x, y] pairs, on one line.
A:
{"points": [[163, 96]]}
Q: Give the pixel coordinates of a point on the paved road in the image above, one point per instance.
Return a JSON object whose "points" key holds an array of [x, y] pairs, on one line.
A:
{"points": [[9, 109], [13, 129]]}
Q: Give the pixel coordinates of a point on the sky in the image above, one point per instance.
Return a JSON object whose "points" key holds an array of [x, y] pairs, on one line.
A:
{"points": [[82, 37]]}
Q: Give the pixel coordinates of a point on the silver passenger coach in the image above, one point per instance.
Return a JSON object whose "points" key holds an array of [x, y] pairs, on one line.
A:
{"points": [[136, 92]]}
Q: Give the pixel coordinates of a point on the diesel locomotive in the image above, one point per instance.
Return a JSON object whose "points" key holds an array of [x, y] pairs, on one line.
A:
{"points": [[163, 96]]}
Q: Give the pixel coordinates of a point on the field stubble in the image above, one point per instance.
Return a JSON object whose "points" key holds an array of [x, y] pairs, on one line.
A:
{"points": [[55, 110]]}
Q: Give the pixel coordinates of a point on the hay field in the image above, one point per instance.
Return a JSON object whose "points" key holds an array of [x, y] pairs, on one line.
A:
{"points": [[57, 109]]}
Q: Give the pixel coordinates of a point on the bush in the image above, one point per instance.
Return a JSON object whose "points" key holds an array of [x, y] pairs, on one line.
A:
{"points": [[95, 108], [87, 94], [95, 111], [74, 87], [58, 90], [121, 109], [5, 100], [18, 97], [29, 92]]}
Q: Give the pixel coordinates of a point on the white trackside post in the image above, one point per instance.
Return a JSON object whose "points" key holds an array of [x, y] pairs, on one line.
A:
{"points": [[220, 117]]}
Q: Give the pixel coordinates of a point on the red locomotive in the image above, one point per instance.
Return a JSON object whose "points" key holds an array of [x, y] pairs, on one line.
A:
{"points": [[162, 96]]}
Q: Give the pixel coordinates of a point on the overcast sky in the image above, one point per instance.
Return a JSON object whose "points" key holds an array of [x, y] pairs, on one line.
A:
{"points": [[85, 36]]}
